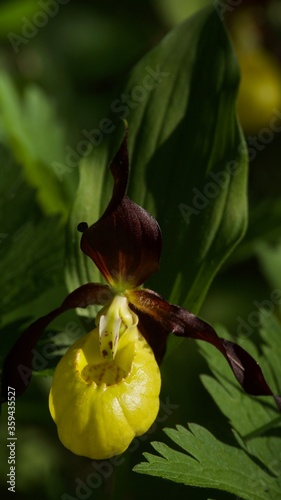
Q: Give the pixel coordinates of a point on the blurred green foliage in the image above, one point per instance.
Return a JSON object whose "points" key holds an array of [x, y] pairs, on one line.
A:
{"points": [[56, 80]]}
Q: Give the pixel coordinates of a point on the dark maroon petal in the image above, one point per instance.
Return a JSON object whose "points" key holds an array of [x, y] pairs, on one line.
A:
{"points": [[125, 243], [17, 366], [182, 323], [153, 332]]}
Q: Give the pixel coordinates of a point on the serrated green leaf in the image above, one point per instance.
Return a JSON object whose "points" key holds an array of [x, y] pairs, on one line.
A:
{"points": [[183, 134], [248, 415], [209, 464], [255, 419], [251, 469]]}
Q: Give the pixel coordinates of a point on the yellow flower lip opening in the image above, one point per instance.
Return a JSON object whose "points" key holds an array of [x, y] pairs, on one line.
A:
{"points": [[107, 373], [96, 368], [100, 404]]}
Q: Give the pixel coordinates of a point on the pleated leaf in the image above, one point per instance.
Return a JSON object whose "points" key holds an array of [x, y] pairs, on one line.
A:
{"points": [[188, 162]]}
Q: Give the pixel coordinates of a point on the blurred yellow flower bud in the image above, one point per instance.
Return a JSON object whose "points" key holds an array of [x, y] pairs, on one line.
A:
{"points": [[100, 404], [260, 85], [260, 89]]}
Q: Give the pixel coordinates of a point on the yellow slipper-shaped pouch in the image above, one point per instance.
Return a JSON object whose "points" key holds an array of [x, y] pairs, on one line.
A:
{"points": [[100, 405]]}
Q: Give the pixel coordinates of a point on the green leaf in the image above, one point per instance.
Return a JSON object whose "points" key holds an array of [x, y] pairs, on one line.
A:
{"points": [[185, 135], [247, 414], [187, 156], [49, 372], [208, 463], [269, 257], [255, 419], [175, 11], [93, 194], [11, 15], [31, 129], [31, 247], [263, 228], [270, 332], [251, 468]]}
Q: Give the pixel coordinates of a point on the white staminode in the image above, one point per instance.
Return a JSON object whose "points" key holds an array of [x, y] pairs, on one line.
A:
{"points": [[112, 322]]}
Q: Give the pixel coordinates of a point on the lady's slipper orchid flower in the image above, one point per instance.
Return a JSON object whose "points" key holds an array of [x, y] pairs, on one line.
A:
{"points": [[106, 387]]}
